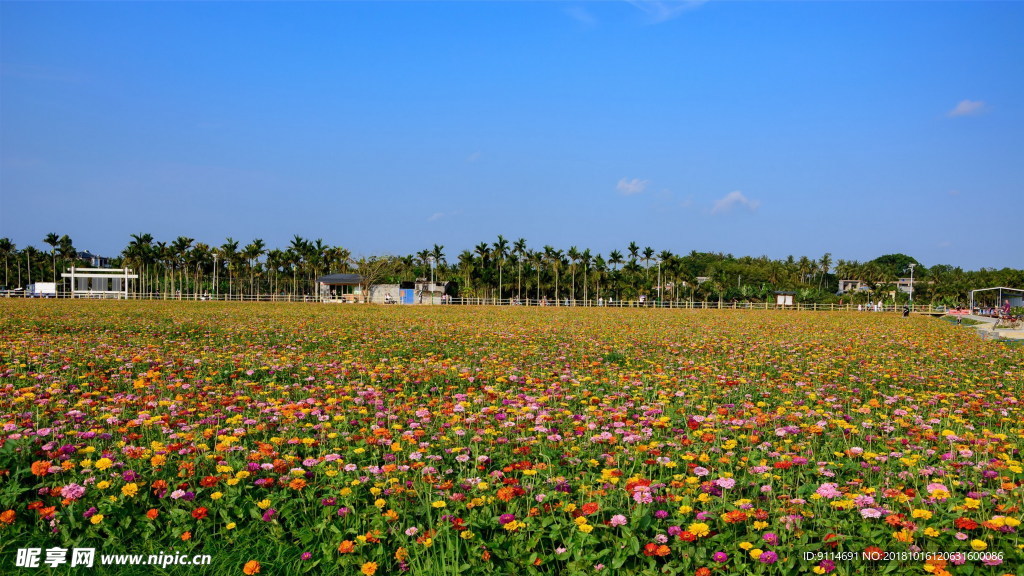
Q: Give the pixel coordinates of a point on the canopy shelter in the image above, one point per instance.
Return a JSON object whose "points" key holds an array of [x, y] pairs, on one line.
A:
{"points": [[996, 296], [99, 282]]}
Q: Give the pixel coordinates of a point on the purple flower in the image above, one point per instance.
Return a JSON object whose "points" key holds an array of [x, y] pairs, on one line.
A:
{"points": [[343, 511], [661, 514], [719, 556], [306, 555], [506, 518], [771, 538], [90, 512], [269, 514], [768, 557]]}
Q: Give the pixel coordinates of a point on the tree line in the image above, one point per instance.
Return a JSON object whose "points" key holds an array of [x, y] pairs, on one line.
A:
{"points": [[506, 269]]}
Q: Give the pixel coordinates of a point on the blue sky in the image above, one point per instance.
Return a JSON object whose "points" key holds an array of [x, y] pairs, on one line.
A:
{"points": [[776, 128]]}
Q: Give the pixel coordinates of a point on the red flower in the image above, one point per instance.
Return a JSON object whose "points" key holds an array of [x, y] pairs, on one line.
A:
{"points": [[199, 513], [703, 571], [590, 507], [650, 549], [687, 536], [965, 523]]}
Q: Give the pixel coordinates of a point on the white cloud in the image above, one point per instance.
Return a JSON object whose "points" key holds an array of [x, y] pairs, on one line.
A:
{"points": [[581, 15], [435, 216], [665, 10], [967, 108], [631, 187], [731, 200], [473, 157]]}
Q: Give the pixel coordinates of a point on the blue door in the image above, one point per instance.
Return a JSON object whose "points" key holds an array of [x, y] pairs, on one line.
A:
{"points": [[408, 296]]}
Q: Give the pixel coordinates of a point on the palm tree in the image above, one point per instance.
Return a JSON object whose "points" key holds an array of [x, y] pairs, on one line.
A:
{"points": [[537, 260], [252, 253], [615, 260], [7, 248], [574, 257], [53, 240], [438, 255], [484, 252], [825, 262], [466, 265], [228, 252], [519, 248], [585, 260], [500, 252], [67, 251], [180, 248], [648, 256], [137, 253]]}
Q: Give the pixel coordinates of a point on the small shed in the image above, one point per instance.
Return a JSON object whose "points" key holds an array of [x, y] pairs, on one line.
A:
{"points": [[340, 288]]}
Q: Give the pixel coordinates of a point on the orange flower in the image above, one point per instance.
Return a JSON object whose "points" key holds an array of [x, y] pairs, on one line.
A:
{"points": [[370, 568], [7, 516], [186, 536], [41, 467], [734, 517], [251, 567], [297, 484], [152, 513], [347, 547], [590, 507], [702, 571]]}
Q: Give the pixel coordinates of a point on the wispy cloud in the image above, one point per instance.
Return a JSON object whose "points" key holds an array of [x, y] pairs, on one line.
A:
{"points": [[435, 216], [967, 108], [664, 10], [473, 157], [954, 192], [631, 187], [581, 15], [732, 200]]}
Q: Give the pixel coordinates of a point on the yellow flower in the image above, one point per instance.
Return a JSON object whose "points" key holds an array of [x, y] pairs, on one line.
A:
{"points": [[216, 495], [746, 545], [684, 509], [466, 535], [971, 503], [346, 491], [231, 526], [130, 490], [760, 525], [97, 518], [756, 553], [369, 569], [380, 503], [918, 513], [104, 463], [439, 504], [482, 486], [699, 529], [978, 545], [264, 504], [931, 532], [586, 528], [103, 485]]}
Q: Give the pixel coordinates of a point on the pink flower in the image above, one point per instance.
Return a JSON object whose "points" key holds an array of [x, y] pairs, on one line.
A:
{"points": [[725, 483], [618, 520]]}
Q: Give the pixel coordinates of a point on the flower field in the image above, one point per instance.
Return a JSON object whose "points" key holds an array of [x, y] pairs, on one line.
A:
{"points": [[294, 439]]}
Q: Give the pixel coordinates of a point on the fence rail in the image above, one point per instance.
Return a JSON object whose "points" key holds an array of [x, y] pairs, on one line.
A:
{"points": [[509, 302]]}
